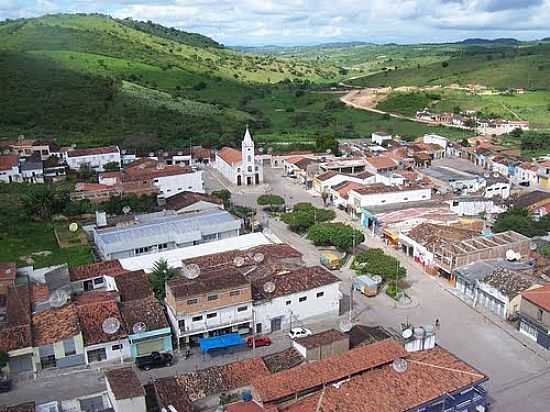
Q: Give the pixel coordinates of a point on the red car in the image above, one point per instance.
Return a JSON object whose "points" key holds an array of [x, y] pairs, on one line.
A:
{"points": [[259, 340]]}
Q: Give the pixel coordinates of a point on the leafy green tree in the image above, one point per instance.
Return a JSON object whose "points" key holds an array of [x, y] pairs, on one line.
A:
{"points": [[519, 220], [304, 215], [111, 167], [42, 201], [161, 273], [224, 195], [340, 235], [376, 262], [270, 200]]}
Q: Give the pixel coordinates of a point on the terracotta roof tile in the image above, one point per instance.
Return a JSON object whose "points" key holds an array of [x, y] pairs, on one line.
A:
{"points": [[8, 161], [327, 175], [16, 332], [184, 199], [93, 151], [124, 383], [7, 271], [92, 187], [286, 359], [148, 311], [343, 190], [337, 367], [382, 162], [299, 280], [138, 173], [430, 235], [230, 155], [39, 292], [54, 325], [374, 188], [22, 407], [169, 392], [133, 285], [97, 269], [539, 296], [228, 278], [324, 338], [93, 308]]}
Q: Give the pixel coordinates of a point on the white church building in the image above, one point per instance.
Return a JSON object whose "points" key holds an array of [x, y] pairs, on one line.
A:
{"points": [[241, 168]]}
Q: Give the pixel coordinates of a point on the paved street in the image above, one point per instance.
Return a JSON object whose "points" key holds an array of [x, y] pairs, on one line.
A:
{"points": [[519, 371]]}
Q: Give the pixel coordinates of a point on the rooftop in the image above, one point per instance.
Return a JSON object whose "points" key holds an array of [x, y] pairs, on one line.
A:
{"points": [[93, 151], [534, 198], [286, 359], [324, 338], [361, 335], [7, 271], [332, 369], [97, 269], [141, 173], [16, 332], [168, 392], [481, 269], [133, 285], [21, 407], [54, 325], [124, 383], [148, 311], [8, 161], [299, 280], [344, 188], [327, 175], [185, 199], [430, 235], [375, 188], [230, 156], [382, 162], [93, 308], [209, 282], [539, 296]]}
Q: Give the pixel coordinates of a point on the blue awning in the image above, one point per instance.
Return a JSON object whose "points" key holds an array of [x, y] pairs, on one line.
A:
{"points": [[222, 341]]}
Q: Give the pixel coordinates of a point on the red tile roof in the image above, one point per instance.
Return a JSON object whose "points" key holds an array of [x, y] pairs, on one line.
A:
{"points": [[8, 161], [133, 285], [148, 311], [244, 406], [97, 269], [430, 375], [374, 188], [93, 151], [169, 391], [539, 296], [7, 271], [16, 332], [230, 155], [92, 187], [343, 190], [39, 292], [312, 375], [324, 338], [185, 199], [219, 280], [124, 383], [93, 308], [327, 175], [382, 162], [138, 173], [54, 325]]}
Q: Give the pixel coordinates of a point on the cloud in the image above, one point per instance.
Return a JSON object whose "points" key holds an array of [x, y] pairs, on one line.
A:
{"points": [[313, 21]]}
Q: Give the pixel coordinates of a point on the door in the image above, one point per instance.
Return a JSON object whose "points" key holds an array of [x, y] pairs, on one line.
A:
{"points": [[258, 328], [248, 181], [88, 285], [276, 324], [257, 179], [153, 345], [239, 180]]}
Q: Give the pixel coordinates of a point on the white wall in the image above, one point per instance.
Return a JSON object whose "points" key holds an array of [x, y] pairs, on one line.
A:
{"points": [[111, 354], [498, 189], [171, 185], [326, 306], [419, 251], [12, 173], [379, 199], [95, 161], [229, 171], [380, 138], [472, 207], [436, 139]]}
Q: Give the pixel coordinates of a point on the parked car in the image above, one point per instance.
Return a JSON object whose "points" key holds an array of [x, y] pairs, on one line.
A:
{"points": [[296, 333], [5, 384], [154, 360], [258, 340]]}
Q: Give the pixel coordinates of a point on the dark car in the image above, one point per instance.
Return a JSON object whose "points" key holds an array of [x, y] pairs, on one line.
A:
{"points": [[154, 360], [258, 340], [5, 385]]}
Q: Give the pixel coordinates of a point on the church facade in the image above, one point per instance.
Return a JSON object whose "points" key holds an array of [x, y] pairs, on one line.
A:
{"points": [[241, 168]]}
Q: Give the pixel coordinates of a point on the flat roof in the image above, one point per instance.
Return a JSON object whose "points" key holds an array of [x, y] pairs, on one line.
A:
{"points": [[175, 257], [448, 174]]}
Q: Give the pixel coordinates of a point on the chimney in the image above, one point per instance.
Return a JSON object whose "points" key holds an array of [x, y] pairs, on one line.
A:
{"points": [[101, 219]]}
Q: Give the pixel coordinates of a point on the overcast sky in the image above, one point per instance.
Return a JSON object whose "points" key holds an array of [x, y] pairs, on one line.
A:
{"points": [[294, 22]]}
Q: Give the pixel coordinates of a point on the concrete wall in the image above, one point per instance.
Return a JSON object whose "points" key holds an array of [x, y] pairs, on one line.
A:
{"points": [[532, 310], [10, 175], [125, 405], [111, 354], [96, 161], [186, 182], [379, 199]]}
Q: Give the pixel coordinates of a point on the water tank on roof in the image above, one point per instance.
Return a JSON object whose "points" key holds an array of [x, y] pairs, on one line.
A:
{"points": [[246, 395]]}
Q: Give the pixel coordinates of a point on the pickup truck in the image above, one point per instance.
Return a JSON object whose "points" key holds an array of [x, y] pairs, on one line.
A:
{"points": [[154, 360]]}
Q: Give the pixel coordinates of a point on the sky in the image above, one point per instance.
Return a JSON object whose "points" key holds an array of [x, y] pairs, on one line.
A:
{"points": [[307, 22]]}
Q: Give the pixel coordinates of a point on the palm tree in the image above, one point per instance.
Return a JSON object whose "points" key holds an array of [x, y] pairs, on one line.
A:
{"points": [[161, 273]]}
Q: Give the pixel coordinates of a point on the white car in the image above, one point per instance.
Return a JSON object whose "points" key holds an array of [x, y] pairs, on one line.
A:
{"points": [[296, 333]]}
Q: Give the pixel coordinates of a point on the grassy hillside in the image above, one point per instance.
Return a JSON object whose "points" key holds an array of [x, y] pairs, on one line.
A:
{"points": [[526, 66]]}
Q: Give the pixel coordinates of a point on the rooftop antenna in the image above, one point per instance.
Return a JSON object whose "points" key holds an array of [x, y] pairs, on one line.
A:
{"points": [[259, 257], [345, 325], [58, 298], [238, 261], [400, 365], [139, 327], [269, 287], [191, 271]]}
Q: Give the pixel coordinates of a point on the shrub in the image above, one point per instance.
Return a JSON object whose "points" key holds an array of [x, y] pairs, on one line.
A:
{"points": [[304, 215], [376, 262], [343, 236]]}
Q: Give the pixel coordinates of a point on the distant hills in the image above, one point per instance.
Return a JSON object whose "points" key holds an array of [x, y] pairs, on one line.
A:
{"points": [[503, 41]]}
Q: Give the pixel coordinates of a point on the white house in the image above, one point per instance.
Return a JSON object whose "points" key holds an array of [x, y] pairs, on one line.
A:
{"points": [[436, 139], [497, 186], [473, 206], [380, 137], [526, 174], [323, 182], [32, 169], [241, 168], [9, 169], [379, 195], [291, 299], [96, 157]]}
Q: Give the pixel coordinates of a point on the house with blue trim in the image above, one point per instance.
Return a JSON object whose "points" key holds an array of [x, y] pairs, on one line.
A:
{"points": [[534, 315]]}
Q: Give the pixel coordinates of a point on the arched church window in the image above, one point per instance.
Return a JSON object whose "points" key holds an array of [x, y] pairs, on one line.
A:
{"points": [[249, 158], [238, 170]]}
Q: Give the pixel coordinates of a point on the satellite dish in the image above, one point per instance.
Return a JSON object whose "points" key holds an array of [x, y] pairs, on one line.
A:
{"points": [[58, 298], [407, 333], [73, 227], [345, 325], [269, 287], [259, 257], [533, 246], [377, 279], [510, 255], [139, 327], [400, 365], [238, 261], [110, 326], [191, 271], [126, 210]]}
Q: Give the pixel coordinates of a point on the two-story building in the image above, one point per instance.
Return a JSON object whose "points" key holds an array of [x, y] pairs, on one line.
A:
{"points": [[534, 314], [95, 158], [215, 303]]}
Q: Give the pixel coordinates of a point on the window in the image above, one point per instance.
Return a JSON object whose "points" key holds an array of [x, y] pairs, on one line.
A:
{"points": [[302, 299], [97, 355], [162, 246], [405, 198], [192, 301], [98, 281], [539, 315], [288, 302], [68, 347], [181, 324], [116, 347], [235, 293], [196, 318], [249, 168], [242, 308], [212, 297], [48, 362], [211, 315], [320, 294]]}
